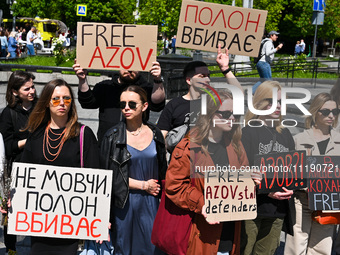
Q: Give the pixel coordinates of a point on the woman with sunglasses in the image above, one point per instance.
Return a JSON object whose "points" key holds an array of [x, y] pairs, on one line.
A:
{"points": [[266, 135], [20, 98], [319, 138], [55, 140], [215, 140], [135, 151]]}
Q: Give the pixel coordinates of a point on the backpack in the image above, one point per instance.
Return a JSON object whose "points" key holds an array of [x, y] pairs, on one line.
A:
{"points": [[257, 59]]}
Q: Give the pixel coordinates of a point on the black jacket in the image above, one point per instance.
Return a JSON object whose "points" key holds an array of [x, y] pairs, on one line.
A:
{"points": [[115, 156], [12, 120]]}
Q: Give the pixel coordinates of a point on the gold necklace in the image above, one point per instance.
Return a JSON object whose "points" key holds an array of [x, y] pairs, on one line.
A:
{"points": [[47, 143], [137, 132]]}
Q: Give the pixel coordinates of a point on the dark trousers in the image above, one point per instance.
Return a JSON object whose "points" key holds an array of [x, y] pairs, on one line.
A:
{"points": [[10, 240]]}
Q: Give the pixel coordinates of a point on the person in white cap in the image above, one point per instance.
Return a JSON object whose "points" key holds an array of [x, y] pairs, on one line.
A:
{"points": [[266, 58]]}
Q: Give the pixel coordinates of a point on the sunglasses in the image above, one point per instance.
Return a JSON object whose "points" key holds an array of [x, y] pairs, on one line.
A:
{"points": [[226, 114], [132, 105], [56, 100], [270, 100], [326, 112]]}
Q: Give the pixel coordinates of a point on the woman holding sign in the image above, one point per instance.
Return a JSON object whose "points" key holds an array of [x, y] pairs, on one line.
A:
{"points": [[264, 134], [55, 140], [212, 142], [135, 151], [20, 98], [319, 138]]}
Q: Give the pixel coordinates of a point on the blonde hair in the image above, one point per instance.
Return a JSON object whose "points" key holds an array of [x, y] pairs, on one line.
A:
{"points": [[263, 92], [204, 122], [317, 103]]}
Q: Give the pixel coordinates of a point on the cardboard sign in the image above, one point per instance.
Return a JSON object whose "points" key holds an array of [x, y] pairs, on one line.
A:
{"points": [[323, 182], [116, 46], [229, 196], [202, 26], [286, 169], [62, 202]]}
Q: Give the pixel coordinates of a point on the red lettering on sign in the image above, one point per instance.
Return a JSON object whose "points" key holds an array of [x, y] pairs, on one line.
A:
{"points": [[127, 67], [147, 58], [223, 18], [114, 54], [186, 13], [53, 222], [93, 227], [208, 193], [67, 224], [200, 14], [86, 226], [24, 221], [241, 19], [252, 21], [36, 222], [100, 56]]}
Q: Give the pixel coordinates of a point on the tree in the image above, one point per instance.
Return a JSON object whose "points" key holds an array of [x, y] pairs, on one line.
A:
{"points": [[111, 11]]}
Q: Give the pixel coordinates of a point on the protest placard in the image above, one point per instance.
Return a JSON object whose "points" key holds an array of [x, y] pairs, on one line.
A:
{"points": [[323, 182], [116, 46], [203, 26], [284, 169], [61, 202], [229, 196]]}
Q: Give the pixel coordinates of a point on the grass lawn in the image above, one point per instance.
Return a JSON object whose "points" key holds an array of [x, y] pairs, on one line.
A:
{"points": [[50, 61]]}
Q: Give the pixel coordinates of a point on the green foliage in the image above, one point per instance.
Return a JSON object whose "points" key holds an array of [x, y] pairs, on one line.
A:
{"points": [[164, 13], [186, 52], [293, 18]]}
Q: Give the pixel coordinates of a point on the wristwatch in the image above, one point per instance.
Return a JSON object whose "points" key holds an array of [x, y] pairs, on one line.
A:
{"points": [[159, 81], [226, 71]]}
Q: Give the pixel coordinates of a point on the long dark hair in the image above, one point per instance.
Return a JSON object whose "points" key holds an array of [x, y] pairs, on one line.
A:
{"points": [[16, 80], [41, 113]]}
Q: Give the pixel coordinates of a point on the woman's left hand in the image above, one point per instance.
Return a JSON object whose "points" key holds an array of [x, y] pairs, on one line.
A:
{"points": [[205, 216], [156, 70], [152, 187], [281, 195], [108, 236]]}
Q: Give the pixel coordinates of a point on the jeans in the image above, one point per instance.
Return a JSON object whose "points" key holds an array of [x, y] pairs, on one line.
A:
{"points": [[13, 54], [30, 49], [265, 73], [3, 51]]}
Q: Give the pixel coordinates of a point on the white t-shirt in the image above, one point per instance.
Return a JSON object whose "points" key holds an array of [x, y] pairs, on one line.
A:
{"points": [[303, 46], [30, 35]]}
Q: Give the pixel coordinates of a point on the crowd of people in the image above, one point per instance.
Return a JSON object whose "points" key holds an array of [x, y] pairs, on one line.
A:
{"points": [[25, 40], [44, 129], [12, 42]]}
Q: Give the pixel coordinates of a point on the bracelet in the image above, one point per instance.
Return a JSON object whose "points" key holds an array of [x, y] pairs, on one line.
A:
{"points": [[226, 71], [159, 81], [142, 186]]}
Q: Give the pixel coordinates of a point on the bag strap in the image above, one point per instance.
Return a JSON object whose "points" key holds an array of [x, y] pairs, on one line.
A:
{"points": [[14, 116], [81, 145]]}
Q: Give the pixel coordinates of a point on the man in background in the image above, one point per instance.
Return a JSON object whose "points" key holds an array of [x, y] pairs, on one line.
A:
{"points": [[266, 58]]}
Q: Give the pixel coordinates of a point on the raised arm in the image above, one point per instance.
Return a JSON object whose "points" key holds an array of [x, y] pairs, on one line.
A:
{"points": [[158, 92], [222, 60], [81, 74]]}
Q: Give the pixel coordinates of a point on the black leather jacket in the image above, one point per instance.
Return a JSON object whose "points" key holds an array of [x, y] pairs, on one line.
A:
{"points": [[115, 156]]}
